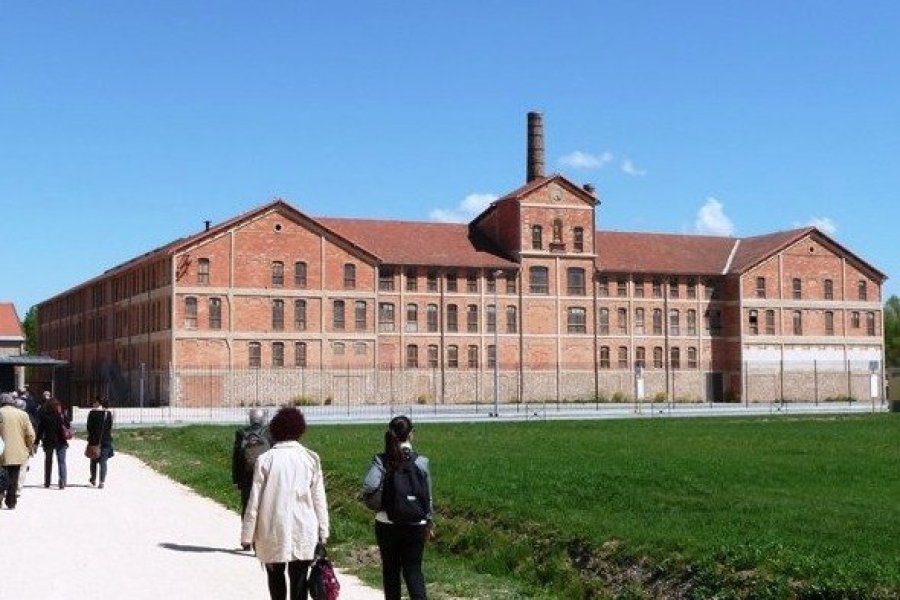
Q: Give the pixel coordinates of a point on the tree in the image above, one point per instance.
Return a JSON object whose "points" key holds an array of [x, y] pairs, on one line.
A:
{"points": [[30, 326], [892, 332]]}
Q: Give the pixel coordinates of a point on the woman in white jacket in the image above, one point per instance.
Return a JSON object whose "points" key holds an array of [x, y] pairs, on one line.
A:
{"points": [[287, 514]]}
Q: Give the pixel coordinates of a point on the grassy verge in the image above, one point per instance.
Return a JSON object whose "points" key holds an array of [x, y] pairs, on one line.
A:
{"points": [[743, 508]]}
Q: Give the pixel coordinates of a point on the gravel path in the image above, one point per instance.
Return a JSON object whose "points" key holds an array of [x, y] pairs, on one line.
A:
{"points": [[142, 537]]}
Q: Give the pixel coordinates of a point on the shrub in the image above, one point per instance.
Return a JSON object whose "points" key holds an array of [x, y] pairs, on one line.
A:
{"points": [[329, 399], [619, 396], [660, 397], [423, 398], [303, 400]]}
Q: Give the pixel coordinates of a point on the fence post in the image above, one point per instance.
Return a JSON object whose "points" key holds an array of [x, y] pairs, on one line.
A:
{"points": [[849, 384], [141, 394], [746, 384], [816, 380]]}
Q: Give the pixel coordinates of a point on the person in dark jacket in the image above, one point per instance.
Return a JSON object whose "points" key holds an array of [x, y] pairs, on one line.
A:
{"points": [[99, 431], [50, 435], [241, 471], [401, 544]]}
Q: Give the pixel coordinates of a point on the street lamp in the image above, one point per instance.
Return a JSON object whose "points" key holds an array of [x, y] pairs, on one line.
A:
{"points": [[497, 275]]}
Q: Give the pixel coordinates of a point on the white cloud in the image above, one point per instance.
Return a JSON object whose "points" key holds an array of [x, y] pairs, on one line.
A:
{"points": [[629, 168], [712, 220], [470, 206], [583, 160], [823, 224]]}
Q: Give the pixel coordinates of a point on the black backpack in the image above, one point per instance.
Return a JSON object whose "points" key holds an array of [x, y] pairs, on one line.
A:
{"points": [[405, 496], [253, 444]]}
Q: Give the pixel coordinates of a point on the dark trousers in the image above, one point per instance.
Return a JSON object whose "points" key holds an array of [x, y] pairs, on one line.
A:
{"points": [[60, 461], [13, 472], [296, 573], [401, 548], [245, 497]]}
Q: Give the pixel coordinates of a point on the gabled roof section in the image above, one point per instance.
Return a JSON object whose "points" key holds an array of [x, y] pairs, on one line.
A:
{"points": [[420, 243], [630, 252], [10, 327], [533, 185]]}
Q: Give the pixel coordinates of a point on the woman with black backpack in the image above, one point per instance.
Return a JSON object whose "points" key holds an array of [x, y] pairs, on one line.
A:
{"points": [[398, 487]]}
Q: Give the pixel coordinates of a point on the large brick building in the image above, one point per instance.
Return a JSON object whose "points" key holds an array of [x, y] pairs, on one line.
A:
{"points": [[421, 310]]}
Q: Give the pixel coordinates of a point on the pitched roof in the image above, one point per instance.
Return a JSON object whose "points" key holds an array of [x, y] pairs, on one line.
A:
{"points": [[631, 252], [420, 243], [10, 326], [753, 250], [530, 187]]}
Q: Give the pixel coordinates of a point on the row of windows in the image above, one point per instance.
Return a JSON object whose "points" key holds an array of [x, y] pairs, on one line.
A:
{"points": [[712, 322], [640, 357], [797, 322], [671, 286], [361, 349], [862, 289], [556, 239]]}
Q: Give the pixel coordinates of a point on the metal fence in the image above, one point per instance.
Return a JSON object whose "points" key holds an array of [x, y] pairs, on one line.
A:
{"points": [[224, 395]]}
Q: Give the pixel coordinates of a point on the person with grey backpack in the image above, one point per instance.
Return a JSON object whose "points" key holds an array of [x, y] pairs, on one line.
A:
{"points": [[249, 444], [398, 488]]}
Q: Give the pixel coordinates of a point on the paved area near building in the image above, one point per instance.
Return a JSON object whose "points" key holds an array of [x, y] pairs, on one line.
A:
{"points": [[142, 537]]}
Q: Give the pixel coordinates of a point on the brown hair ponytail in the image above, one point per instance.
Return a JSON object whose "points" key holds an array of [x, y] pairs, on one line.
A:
{"points": [[398, 431]]}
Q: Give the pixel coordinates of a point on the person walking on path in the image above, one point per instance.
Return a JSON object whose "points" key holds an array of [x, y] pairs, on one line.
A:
{"points": [[249, 444], [287, 513], [50, 433], [18, 437], [398, 486], [99, 431]]}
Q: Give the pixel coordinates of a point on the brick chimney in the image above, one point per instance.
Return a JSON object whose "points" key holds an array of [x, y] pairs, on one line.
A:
{"points": [[535, 157]]}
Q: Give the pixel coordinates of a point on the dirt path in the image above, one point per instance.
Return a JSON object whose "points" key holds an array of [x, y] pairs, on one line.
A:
{"points": [[142, 537]]}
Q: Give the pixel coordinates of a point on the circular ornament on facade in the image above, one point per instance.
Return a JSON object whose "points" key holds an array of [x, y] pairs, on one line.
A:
{"points": [[277, 227]]}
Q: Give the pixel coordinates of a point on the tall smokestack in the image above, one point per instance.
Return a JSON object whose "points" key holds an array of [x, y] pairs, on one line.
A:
{"points": [[535, 167]]}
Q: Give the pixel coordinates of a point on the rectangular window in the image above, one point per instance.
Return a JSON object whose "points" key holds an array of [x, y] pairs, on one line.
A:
{"points": [[490, 282], [798, 322], [674, 322], [300, 354], [657, 321], [412, 317], [639, 321], [300, 274], [349, 276], [300, 315], [692, 322], [359, 348], [754, 322], [452, 284], [472, 318], [829, 289], [472, 281], [760, 287], [575, 281], [692, 358], [537, 237], [692, 288], [770, 322], [622, 320], [709, 289], [603, 286], [622, 362], [491, 316], [432, 356], [603, 321], [277, 273], [675, 361], [512, 322], [412, 356], [431, 281], [215, 313], [203, 271], [638, 287], [622, 287], [339, 318], [657, 288], [510, 283], [277, 354], [472, 354], [539, 280], [870, 323], [578, 239], [604, 357], [385, 279], [576, 321], [338, 349], [829, 322], [277, 315], [796, 288], [254, 355], [432, 318], [673, 288], [359, 315], [640, 357], [452, 357], [452, 318], [385, 316], [412, 283], [190, 312], [657, 357], [491, 356], [862, 290], [854, 320]]}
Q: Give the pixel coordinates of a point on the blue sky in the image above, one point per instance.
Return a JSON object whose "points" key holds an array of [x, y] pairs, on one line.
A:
{"points": [[125, 125]]}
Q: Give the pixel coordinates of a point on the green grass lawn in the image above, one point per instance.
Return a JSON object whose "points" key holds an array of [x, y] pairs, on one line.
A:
{"points": [[744, 508]]}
